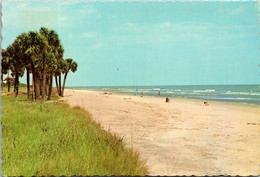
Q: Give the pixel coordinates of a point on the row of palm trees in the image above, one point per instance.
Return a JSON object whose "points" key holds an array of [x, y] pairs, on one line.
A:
{"points": [[41, 55]]}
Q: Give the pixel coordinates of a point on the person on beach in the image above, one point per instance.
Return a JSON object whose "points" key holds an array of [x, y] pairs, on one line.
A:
{"points": [[159, 93], [206, 103], [142, 93]]}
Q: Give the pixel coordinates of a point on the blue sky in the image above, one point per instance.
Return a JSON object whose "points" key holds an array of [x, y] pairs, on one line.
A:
{"points": [[147, 43]]}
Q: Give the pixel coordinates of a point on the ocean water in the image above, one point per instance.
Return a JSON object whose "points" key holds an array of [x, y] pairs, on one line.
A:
{"points": [[246, 94]]}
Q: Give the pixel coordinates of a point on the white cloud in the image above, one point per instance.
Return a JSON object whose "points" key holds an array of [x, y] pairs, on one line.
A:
{"points": [[32, 15], [86, 10], [174, 33], [25, 15], [91, 34], [235, 11], [96, 46]]}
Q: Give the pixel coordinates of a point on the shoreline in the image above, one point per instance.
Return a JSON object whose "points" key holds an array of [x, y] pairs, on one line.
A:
{"points": [[181, 137], [172, 97]]}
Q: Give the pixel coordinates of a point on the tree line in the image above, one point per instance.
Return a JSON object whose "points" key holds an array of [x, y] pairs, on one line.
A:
{"points": [[40, 54]]}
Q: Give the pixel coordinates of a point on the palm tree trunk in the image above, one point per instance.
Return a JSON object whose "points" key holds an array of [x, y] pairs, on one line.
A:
{"points": [[50, 86], [28, 82], [8, 81], [60, 84], [40, 83], [16, 83], [2, 81], [37, 85], [47, 84], [8, 85], [44, 79], [32, 86], [34, 81], [57, 85], [64, 80]]}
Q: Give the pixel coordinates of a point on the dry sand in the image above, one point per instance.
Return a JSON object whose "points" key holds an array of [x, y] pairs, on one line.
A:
{"points": [[182, 137]]}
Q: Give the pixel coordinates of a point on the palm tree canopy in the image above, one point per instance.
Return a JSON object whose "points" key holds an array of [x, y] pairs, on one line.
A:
{"points": [[62, 66], [5, 62], [70, 65], [59, 52], [51, 62], [40, 53], [36, 43], [15, 53], [51, 37], [74, 67]]}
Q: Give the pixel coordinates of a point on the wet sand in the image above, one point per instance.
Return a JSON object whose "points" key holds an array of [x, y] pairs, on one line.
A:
{"points": [[181, 137]]}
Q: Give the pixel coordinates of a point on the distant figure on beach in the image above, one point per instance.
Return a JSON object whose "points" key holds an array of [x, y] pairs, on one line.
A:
{"points": [[167, 100], [106, 93], [205, 104], [142, 93], [159, 93]]}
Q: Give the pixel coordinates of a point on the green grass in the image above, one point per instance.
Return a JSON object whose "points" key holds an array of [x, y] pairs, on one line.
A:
{"points": [[54, 139], [23, 91], [22, 87]]}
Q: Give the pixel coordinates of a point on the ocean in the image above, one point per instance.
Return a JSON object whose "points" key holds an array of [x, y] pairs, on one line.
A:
{"points": [[245, 94]]}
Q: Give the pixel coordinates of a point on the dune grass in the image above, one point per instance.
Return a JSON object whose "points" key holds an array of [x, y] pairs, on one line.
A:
{"points": [[54, 139], [22, 87]]}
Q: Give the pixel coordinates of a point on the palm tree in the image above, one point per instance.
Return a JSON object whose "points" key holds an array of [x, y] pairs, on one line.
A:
{"points": [[59, 69], [41, 54], [36, 47], [54, 45], [69, 65], [24, 42], [5, 67], [52, 65], [16, 54]]}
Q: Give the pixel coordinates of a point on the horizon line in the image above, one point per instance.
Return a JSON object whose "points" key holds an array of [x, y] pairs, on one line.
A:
{"points": [[164, 85]]}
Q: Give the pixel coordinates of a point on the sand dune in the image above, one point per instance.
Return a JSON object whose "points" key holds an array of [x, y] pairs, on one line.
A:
{"points": [[182, 137]]}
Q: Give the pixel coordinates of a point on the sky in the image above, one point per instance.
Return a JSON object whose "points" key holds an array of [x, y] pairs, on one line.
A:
{"points": [[147, 43]]}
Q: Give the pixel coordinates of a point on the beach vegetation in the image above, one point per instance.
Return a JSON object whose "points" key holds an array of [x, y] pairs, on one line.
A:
{"points": [[50, 138], [40, 54]]}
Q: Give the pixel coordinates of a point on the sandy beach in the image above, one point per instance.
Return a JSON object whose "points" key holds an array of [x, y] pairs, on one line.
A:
{"points": [[182, 137]]}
